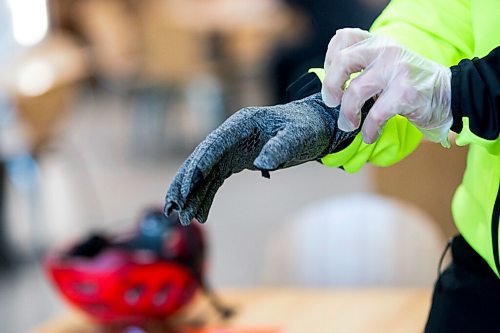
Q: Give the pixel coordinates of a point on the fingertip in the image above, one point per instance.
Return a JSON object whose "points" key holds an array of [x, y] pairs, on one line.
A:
{"points": [[370, 134], [185, 219], [345, 125], [267, 159], [263, 162], [446, 143], [366, 138], [201, 218], [169, 207], [328, 98]]}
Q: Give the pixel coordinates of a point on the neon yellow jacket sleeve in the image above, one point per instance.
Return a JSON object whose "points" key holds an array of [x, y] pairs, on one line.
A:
{"points": [[440, 30], [466, 137]]}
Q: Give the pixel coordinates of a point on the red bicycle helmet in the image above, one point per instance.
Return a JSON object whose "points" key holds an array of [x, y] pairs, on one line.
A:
{"points": [[132, 278]]}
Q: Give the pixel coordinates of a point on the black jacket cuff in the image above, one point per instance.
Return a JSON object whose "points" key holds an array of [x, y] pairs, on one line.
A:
{"points": [[456, 109]]}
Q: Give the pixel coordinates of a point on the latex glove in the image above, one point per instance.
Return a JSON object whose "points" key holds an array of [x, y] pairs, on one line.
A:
{"points": [[255, 138], [406, 83]]}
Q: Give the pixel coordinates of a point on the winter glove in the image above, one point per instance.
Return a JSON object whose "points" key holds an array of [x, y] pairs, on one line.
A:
{"points": [[407, 84], [254, 138]]}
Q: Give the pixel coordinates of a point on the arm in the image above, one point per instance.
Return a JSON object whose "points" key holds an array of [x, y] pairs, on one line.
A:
{"points": [[475, 101], [432, 28]]}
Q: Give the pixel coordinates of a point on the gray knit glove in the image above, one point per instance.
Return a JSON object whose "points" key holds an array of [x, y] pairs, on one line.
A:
{"points": [[255, 138]]}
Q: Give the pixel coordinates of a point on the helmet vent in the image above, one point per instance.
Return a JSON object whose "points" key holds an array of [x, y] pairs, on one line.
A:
{"points": [[161, 297], [133, 294]]}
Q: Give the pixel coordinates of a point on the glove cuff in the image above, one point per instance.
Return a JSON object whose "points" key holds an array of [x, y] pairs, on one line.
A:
{"points": [[443, 113]]}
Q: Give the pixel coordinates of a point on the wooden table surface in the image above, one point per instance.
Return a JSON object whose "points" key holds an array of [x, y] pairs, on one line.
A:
{"points": [[299, 310]]}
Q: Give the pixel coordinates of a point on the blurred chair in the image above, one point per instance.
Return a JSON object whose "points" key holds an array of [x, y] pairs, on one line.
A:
{"points": [[357, 240]]}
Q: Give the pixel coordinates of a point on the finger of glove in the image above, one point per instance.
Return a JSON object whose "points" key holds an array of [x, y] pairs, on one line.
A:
{"points": [[196, 198], [200, 207], [360, 90], [348, 61], [204, 209], [209, 153], [279, 150], [343, 66], [343, 38], [173, 200], [382, 110], [193, 202]]}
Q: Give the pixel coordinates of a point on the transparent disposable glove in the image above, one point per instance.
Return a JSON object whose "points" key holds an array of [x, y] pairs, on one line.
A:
{"points": [[402, 82], [256, 138]]}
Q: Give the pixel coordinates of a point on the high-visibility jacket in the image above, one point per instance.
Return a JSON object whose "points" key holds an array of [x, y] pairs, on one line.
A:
{"points": [[445, 31]]}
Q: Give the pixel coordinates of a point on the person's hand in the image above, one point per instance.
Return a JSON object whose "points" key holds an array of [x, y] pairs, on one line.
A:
{"points": [[255, 138], [403, 82]]}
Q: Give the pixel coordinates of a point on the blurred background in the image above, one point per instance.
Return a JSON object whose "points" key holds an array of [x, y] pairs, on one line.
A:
{"points": [[102, 100]]}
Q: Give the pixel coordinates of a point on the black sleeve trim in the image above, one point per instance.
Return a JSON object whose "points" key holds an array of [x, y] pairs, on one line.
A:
{"points": [[456, 110], [475, 94]]}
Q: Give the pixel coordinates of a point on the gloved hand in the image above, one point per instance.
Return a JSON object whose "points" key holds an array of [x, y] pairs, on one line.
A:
{"points": [[255, 138], [405, 83]]}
